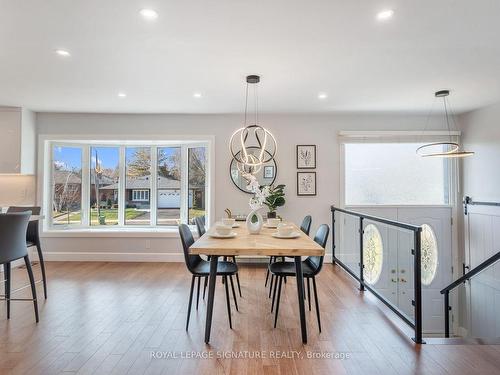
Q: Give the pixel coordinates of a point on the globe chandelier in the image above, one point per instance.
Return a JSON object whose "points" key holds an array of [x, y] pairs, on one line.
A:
{"points": [[447, 149], [252, 136]]}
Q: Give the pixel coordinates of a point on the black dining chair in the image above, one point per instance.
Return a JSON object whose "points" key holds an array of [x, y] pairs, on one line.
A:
{"points": [[310, 268], [200, 227], [13, 228], [201, 268], [33, 239], [305, 227]]}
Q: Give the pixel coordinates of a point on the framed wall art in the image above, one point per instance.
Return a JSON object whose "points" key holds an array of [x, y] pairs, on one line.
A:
{"points": [[269, 171], [306, 183], [306, 156]]}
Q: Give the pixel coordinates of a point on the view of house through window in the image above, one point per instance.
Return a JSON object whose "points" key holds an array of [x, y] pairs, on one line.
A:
{"points": [[169, 186], [119, 190], [104, 178], [66, 185], [393, 174], [137, 184]]}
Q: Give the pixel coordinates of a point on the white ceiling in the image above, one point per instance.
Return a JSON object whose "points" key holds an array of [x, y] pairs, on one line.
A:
{"points": [[300, 48]]}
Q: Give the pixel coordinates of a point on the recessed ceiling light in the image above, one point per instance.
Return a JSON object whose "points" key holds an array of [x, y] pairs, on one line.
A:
{"points": [[149, 14], [385, 14], [122, 95], [62, 52], [322, 95], [197, 95]]}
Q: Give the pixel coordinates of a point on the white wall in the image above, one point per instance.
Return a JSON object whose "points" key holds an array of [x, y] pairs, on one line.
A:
{"points": [[481, 133], [480, 180], [289, 130]]}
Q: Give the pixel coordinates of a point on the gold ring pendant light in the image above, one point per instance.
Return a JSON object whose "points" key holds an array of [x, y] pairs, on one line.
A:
{"points": [[252, 136], [454, 150]]}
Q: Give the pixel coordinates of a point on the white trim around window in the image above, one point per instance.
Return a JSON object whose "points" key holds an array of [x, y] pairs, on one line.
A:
{"points": [[140, 195], [45, 185]]}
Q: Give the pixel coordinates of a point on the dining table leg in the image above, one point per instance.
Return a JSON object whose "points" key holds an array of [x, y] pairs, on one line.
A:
{"points": [[300, 294], [211, 293]]}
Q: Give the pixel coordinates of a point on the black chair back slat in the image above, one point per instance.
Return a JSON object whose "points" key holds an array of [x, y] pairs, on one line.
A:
{"points": [[32, 234], [306, 224], [320, 238], [200, 225], [192, 260], [13, 236]]}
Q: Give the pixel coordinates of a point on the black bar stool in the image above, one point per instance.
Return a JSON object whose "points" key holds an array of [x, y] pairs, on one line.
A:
{"points": [[13, 228], [33, 239]]}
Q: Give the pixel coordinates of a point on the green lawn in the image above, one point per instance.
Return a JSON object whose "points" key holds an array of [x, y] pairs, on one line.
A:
{"points": [[111, 216], [193, 212]]}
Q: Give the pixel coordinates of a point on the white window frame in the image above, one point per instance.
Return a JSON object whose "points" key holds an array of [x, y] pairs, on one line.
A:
{"points": [[47, 143], [143, 195], [347, 137]]}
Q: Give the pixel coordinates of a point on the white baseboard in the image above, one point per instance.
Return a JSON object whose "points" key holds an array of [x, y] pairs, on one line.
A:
{"points": [[92, 256], [462, 332]]}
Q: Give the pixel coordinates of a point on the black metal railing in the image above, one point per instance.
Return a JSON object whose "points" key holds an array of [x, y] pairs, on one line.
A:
{"points": [[469, 202], [446, 291], [416, 252]]}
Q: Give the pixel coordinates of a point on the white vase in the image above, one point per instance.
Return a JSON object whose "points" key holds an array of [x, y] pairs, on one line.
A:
{"points": [[254, 222]]}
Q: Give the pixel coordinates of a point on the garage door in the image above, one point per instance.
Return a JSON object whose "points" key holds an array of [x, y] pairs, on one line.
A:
{"points": [[172, 199]]}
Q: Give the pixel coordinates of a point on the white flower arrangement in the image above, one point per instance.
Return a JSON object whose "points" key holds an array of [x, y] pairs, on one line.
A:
{"points": [[260, 193]]}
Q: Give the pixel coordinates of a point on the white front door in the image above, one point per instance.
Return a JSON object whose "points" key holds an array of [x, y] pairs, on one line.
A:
{"points": [[436, 263], [395, 279]]}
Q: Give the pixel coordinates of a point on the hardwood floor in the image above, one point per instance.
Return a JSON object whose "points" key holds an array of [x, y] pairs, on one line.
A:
{"points": [[108, 318]]}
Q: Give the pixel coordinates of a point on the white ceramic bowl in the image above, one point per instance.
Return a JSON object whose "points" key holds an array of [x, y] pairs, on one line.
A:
{"points": [[222, 229], [228, 221], [273, 222], [285, 229]]}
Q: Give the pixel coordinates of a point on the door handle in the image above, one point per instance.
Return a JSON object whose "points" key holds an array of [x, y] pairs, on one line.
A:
{"points": [[394, 280]]}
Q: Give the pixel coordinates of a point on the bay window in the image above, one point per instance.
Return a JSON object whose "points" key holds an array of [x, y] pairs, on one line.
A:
{"points": [[130, 184]]}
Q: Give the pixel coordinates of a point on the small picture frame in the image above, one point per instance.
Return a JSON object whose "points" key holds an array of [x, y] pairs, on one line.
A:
{"points": [[306, 183], [269, 171], [306, 156]]}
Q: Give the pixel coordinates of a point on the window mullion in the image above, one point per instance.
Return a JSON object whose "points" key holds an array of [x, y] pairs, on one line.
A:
{"points": [[86, 186], [184, 184], [154, 185], [121, 187]]}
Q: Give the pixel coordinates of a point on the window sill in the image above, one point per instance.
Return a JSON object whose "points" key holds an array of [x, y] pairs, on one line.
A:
{"points": [[113, 233]]}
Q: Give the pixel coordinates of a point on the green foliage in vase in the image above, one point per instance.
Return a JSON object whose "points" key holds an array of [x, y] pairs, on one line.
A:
{"points": [[276, 197]]}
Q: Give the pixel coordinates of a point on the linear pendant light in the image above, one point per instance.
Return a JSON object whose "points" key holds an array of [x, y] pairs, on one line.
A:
{"points": [[454, 150]]}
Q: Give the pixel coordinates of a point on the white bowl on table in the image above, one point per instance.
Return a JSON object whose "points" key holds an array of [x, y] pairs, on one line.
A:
{"points": [[285, 229], [273, 222], [223, 229], [228, 221]]}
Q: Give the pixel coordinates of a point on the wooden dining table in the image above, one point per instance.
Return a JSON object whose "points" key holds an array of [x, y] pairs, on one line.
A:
{"points": [[256, 244]]}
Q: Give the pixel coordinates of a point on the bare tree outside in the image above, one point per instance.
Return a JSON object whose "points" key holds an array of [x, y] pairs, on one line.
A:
{"points": [[67, 193]]}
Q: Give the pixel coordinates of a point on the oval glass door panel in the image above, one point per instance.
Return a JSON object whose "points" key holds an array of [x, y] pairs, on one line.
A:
{"points": [[429, 254], [373, 249]]}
